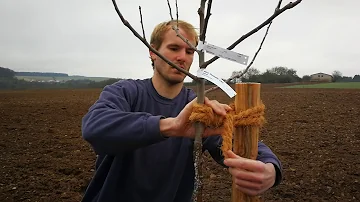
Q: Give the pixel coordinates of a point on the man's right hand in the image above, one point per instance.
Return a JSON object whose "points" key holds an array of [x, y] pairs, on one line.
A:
{"points": [[181, 127]]}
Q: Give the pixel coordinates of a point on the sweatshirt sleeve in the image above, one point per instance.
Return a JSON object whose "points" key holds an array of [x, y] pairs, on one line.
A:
{"points": [[265, 155], [111, 127], [213, 145]]}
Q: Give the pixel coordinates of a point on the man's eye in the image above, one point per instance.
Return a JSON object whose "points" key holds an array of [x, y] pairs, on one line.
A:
{"points": [[174, 49]]}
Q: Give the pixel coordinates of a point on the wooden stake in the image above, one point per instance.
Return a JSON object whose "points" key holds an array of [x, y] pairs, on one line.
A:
{"points": [[246, 137]]}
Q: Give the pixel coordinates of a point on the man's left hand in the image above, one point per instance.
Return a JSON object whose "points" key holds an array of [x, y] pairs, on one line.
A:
{"points": [[251, 177]]}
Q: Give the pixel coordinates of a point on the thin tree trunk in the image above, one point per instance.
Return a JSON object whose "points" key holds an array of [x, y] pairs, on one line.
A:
{"points": [[199, 128]]}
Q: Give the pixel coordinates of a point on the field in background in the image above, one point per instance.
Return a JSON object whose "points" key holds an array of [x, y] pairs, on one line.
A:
{"points": [[314, 132], [64, 78], [340, 85]]}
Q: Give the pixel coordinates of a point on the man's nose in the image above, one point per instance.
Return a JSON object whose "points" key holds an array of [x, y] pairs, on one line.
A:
{"points": [[181, 56]]}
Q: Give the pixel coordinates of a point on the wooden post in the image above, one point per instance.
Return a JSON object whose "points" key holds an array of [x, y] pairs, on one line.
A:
{"points": [[246, 137]]}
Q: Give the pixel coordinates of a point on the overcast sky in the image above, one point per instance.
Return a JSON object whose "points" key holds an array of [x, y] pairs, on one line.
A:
{"points": [[86, 37]]}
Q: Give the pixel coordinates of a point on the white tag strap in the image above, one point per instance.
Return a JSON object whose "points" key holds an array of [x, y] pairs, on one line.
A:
{"points": [[202, 73], [223, 53]]}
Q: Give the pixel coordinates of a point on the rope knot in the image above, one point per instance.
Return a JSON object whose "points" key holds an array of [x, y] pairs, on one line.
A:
{"points": [[250, 117]]}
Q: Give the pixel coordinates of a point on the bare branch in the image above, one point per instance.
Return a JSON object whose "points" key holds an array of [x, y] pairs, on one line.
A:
{"points": [[208, 13], [127, 24], [278, 6], [202, 18], [142, 24], [276, 13], [257, 52], [170, 10], [247, 68], [176, 29], [177, 13], [253, 59]]}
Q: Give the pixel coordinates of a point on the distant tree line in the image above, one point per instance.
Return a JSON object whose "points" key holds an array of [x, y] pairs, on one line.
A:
{"points": [[6, 73], [338, 77], [19, 84], [48, 74], [8, 80], [286, 75], [273, 75], [356, 78], [278, 74]]}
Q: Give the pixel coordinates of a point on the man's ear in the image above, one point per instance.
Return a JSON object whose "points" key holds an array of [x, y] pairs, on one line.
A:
{"points": [[152, 54]]}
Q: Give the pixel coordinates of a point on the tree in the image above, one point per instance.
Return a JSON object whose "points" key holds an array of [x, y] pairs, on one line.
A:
{"points": [[6, 73], [250, 73], [200, 82], [279, 74], [306, 78], [356, 78], [337, 75], [282, 71]]}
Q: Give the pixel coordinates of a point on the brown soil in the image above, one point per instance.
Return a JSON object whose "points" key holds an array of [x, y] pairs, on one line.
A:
{"points": [[315, 133]]}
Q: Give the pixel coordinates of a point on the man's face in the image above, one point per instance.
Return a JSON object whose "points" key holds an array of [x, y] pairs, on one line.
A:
{"points": [[177, 51]]}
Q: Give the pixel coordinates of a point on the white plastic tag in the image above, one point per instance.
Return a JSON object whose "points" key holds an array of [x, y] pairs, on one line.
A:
{"points": [[223, 53], [202, 73]]}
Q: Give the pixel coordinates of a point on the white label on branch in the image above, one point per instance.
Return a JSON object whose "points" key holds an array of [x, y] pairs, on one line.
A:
{"points": [[202, 73], [223, 53]]}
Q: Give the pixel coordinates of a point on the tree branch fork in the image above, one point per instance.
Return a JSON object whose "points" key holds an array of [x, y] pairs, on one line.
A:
{"points": [[268, 21]]}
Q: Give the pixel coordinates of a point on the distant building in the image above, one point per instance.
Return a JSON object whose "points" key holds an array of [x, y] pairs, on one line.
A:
{"points": [[321, 77]]}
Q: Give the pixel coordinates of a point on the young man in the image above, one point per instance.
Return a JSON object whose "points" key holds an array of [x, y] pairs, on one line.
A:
{"points": [[139, 131]]}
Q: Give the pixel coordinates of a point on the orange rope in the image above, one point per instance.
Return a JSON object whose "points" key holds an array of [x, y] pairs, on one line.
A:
{"points": [[250, 117]]}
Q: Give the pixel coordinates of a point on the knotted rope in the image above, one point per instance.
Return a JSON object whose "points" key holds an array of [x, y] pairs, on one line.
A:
{"points": [[251, 117]]}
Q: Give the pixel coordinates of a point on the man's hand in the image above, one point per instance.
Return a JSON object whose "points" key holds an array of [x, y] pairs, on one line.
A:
{"points": [[180, 125], [252, 177]]}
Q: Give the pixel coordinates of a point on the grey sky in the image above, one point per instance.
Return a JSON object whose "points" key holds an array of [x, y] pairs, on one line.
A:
{"points": [[86, 37]]}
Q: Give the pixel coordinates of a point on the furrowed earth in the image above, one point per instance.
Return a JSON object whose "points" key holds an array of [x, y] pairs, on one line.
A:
{"points": [[314, 132]]}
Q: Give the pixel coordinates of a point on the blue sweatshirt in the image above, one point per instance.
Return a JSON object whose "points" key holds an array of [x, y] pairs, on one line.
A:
{"points": [[134, 161]]}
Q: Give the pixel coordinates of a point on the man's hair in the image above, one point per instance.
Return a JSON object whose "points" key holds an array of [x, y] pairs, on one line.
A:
{"points": [[159, 31]]}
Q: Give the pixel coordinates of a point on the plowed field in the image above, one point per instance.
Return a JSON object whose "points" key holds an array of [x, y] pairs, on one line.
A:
{"points": [[314, 132]]}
